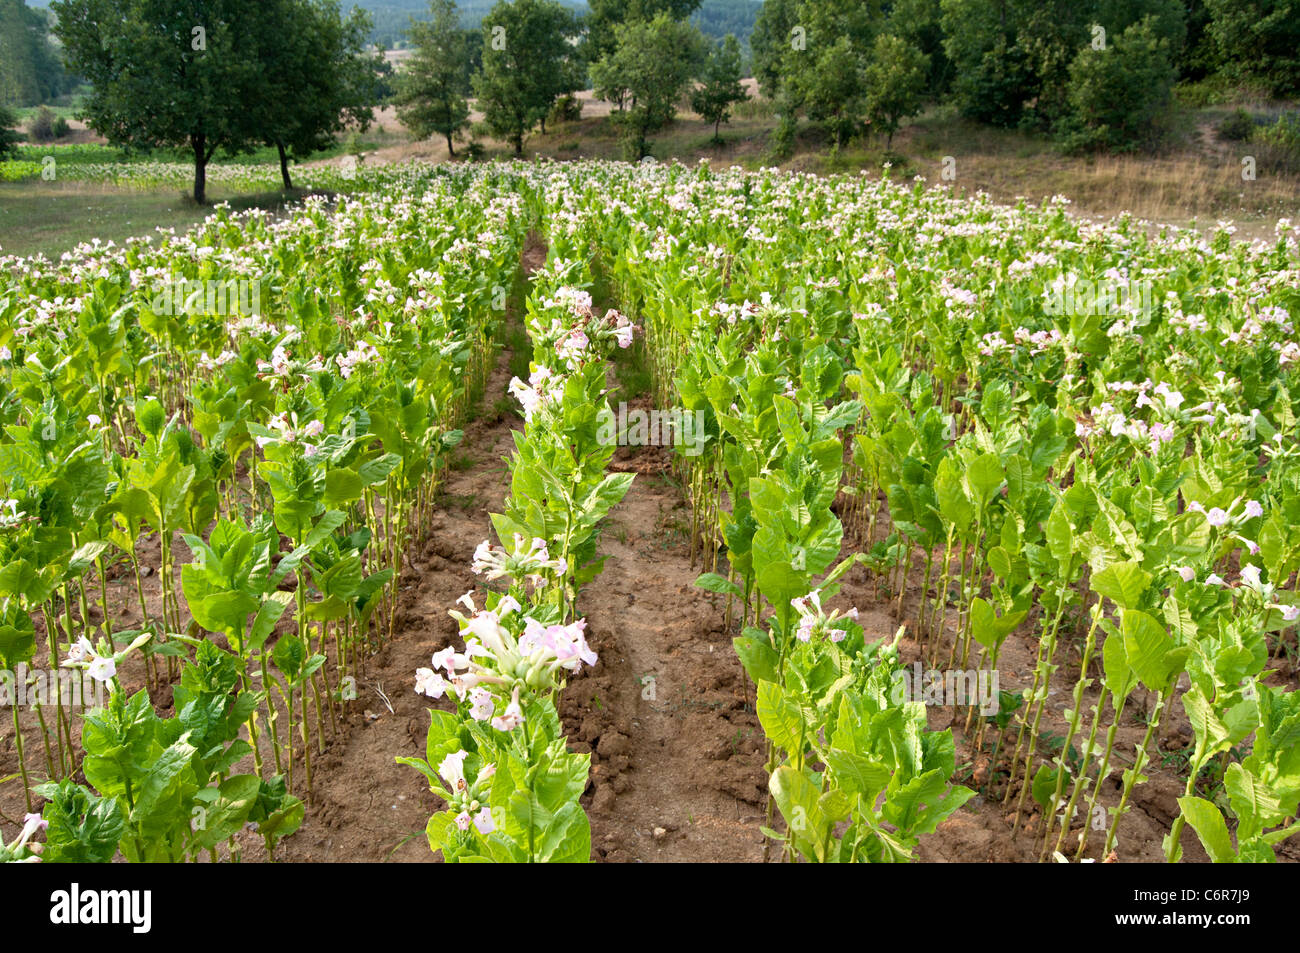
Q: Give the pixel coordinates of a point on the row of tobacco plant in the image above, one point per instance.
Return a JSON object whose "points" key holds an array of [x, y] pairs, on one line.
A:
{"points": [[500, 759]]}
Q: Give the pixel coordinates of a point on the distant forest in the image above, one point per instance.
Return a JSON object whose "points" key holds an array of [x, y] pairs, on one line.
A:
{"points": [[715, 18]]}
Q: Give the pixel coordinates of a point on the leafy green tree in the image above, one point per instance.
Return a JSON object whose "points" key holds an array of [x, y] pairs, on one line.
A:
{"points": [[896, 80], [1258, 40], [720, 87], [1118, 94], [30, 70], [607, 15], [431, 91], [772, 37], [651, 66], [9, 137], [317, 78], [823, 62], [164, 74], [527, 57], [917, 22], [832, 88]]}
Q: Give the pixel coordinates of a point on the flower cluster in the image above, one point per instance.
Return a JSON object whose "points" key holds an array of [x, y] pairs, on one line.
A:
{"points": [[542, 388], [814, 620], [495, 659], [466, 798], [100, 663], [285, 428], [530, 561]]}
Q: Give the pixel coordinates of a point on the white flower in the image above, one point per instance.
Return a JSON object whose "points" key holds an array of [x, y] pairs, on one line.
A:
{"points": [[429, 682], [452, 770], [512, 717], [481, 704], [102, 669]]}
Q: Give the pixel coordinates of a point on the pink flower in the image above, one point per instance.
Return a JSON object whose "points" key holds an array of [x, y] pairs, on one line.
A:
{"points": [[1253, 509], [429, 682], [445, 659], [512, 717], [483, 821], [1216, 517], [481, 704], [1187, 573]]}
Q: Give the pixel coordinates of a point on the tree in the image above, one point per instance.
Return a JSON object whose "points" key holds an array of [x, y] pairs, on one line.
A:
{"points": [[431, 91], [772, 36], [526, 51], [30, 70], [823, 65], [1118, 94], [650, 68], [9, 137], [917, 22], [1258, 40], [161, 78], [607, 15], [895, 79], [720, 87], [832, 89], [317, 78]]}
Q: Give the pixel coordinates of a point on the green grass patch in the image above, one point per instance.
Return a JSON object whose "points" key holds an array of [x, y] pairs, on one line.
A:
{"points": [[49, 218]]}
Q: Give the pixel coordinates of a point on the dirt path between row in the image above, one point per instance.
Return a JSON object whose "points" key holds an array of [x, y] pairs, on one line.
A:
{"points": [[677, 758]]}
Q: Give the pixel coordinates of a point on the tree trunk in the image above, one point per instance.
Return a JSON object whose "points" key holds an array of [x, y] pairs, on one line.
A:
{"points": [[717, 131], [451, 149], [199, 143], [543, 125], [519, 145], [284, 166]]}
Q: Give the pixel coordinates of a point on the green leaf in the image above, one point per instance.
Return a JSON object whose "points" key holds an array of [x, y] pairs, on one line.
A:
{"points": [[985, 477], [781, 717], [757, 656], [712, 582], [342, 486], [1124, 583], [1210, 827], [1148, 649]]}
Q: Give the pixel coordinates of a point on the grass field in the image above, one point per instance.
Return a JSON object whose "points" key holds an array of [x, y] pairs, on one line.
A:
{"points": [[40, 218]]}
